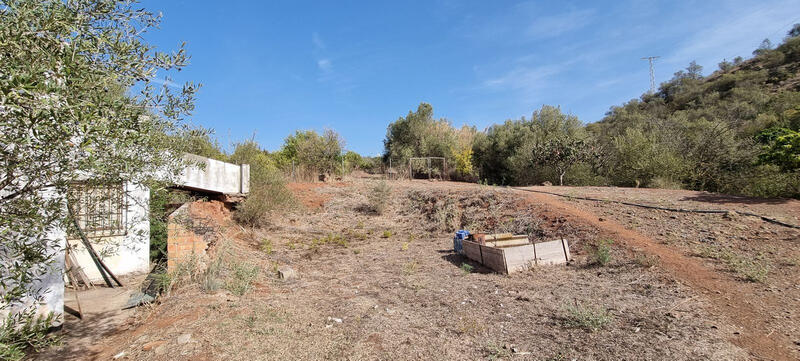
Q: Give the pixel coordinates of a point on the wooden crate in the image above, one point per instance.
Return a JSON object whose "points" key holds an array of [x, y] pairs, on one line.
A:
{"points": [[514, 257]]}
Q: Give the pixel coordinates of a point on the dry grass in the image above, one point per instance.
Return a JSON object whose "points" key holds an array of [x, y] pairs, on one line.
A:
{"points": [[416, 303]]}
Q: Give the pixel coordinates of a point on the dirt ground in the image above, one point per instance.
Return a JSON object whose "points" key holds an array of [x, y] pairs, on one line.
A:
{"points": [[679, 286]]}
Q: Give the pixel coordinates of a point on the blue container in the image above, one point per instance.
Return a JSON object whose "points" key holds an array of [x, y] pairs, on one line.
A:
{"points": [[460, 236]]}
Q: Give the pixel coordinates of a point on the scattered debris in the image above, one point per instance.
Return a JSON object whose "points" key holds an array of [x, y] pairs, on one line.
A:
{"points": [[184, 339], [286, 273]]}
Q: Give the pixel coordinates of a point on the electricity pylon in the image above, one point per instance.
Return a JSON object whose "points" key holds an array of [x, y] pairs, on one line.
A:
{"points": [[652, 72]]}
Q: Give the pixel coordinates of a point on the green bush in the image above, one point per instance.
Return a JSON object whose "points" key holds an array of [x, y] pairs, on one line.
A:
{"points": [[600, 252], [25, 332]]}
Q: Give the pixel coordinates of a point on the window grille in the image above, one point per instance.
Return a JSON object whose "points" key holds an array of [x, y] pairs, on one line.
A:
{"points": [[100, 210]]}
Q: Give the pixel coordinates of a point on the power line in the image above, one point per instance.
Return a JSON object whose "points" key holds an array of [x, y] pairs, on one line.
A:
{"points": [[652, 72]]}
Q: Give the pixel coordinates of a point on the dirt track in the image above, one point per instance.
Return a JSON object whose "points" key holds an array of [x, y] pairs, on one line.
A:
{"points": [[728, 296]]}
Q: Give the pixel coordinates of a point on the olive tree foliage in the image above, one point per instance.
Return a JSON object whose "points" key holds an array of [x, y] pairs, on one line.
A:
{"points": [[517, 151], [78, 97], [418, 134]]}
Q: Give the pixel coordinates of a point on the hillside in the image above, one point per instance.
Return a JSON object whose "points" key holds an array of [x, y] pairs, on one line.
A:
{"points": [[734, 131]]}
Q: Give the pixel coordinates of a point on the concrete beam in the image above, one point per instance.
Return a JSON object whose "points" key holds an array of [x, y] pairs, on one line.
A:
{"points": [[215, 176]]}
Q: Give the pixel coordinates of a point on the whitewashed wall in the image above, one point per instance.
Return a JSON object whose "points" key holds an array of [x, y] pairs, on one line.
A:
{"points": [[126, 254]]}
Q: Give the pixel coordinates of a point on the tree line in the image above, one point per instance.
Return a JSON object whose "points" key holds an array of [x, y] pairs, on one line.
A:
{"points": [[734, 131]]}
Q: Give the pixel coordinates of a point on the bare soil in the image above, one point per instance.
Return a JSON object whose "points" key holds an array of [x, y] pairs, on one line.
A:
{"points": [[389, 286]]}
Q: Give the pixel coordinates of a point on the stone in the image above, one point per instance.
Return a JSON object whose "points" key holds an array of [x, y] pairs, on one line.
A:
{"points": [[286, 273], [185, 338], [152, 344]]}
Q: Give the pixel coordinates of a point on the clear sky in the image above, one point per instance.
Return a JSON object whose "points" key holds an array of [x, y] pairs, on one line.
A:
{"points": [[271, 67]]}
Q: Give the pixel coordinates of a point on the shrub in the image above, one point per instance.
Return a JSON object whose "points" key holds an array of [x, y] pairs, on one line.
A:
{"points": [[386, 234], [467, 268], [269, 195], [379, 197], [23, 332], [600, 252], [586, 317]]}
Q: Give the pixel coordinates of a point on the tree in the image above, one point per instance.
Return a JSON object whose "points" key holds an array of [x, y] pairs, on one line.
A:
{"points": [[764, 48], [418, 134], [794, 31], [78, 97], [561, 153], [782, 149]]}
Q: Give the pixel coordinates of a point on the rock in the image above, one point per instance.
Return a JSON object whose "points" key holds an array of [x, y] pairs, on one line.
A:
{"points": [[546, 183], [286, 273], [119, 355], [151, 345], [731, 216], [161, 349], [334, 319], [185, 338]]}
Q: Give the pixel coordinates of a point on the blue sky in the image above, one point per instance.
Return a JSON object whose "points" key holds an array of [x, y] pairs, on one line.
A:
{"points": [[271, 67]]}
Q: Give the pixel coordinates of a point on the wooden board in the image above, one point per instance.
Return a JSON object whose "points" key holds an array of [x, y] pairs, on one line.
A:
{"points": [[508, 242], [552, 252], [472, 250], [494, 258], [519, 258]]}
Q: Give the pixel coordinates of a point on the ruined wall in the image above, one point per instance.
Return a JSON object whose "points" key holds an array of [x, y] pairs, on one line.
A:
{"points": [[192, 229]]}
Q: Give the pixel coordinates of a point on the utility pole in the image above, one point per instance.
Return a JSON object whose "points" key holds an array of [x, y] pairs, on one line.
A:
{"points": [[652, 72]]}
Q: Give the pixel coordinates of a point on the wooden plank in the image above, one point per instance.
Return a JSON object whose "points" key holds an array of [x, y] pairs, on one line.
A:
{"points": [[509, 242], [494, 258], [472, 250], [552, 252], [519, 258]]}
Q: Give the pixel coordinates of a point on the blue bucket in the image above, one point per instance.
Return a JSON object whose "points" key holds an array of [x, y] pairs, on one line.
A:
{"points": [[460, 236]]}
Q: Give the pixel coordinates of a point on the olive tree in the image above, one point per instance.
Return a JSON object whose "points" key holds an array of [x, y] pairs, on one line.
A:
{"points": [[81, 95]]}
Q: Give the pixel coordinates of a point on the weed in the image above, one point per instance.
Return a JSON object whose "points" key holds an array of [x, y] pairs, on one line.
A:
{"points": [[645, 261], [266, 246], [242, 278], [404, 246], [334, 239], [496, 352], [410, 268], [586, 317], [469, 326], [163, 282], [291, 245], [379, 197], [755, 270], [210, 281], [466, 268], [600, 252], [356, 251], [386, 234], [360, 225]]}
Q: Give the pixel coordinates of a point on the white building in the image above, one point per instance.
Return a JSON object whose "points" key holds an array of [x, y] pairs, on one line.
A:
{"points": [[115, 219]]}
